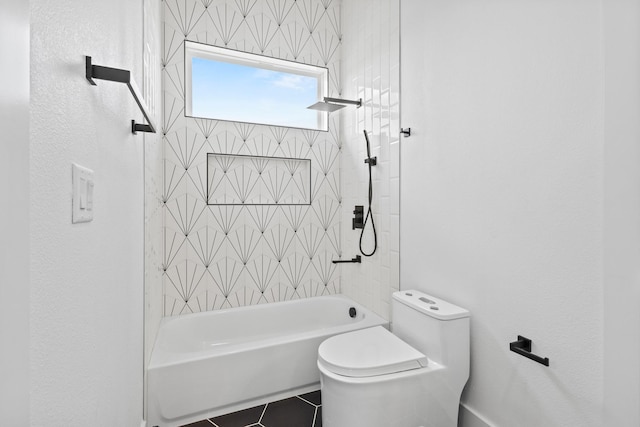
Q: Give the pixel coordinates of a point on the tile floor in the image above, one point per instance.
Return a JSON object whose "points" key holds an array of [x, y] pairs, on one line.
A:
{"points": [[299, 411]]}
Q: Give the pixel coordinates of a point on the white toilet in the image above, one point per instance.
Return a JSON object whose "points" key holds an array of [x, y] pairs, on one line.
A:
{"points": [[412, 377]]}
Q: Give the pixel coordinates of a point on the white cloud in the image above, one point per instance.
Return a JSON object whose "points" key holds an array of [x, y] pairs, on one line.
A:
{"points": [[279, 79], [291, 81]]}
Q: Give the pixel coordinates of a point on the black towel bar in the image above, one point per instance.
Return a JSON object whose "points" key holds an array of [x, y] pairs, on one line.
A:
{"points": [[121, 76]]}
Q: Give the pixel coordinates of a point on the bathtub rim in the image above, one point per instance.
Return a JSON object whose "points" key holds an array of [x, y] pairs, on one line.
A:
{"points": [[169, 359]]}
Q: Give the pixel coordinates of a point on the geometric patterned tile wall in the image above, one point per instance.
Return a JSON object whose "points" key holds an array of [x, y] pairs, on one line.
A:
{"points": [[258, 180], [217, 256]]}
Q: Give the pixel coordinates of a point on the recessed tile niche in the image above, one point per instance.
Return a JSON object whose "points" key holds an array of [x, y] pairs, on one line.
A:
{"points": [[257, 180]]}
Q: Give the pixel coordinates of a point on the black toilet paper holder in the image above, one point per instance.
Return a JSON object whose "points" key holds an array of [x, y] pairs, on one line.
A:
{"points": [[523, 348]]}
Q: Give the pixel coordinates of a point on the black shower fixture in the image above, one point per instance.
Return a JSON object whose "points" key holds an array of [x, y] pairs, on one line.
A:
{"points": [[334, 104], [358, 217], [371, 161], [355, 260]]}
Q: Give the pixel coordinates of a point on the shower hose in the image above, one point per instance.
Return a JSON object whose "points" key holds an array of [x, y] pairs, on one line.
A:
{"points": [[370, 162]]}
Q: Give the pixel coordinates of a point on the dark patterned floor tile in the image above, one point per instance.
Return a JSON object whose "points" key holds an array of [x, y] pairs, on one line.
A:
{"points": [[291, 412], [204, 423], [318, 422], [313, 397], [243, 418]]}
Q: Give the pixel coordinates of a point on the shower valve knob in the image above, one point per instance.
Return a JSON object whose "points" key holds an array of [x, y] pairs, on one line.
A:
{"points": [[358, 217]]}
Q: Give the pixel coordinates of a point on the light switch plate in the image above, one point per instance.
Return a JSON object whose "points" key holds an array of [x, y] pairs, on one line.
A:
{"points": [[82, 200]]}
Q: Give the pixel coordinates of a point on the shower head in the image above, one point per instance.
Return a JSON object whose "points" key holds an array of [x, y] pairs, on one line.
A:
{"points": [[334, 104], [325, 106]]}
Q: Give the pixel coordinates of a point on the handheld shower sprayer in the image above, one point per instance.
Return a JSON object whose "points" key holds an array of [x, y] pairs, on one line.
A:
{"points": [[371, 161]]}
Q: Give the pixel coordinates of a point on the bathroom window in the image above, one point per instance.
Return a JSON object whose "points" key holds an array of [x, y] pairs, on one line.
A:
{"points": [[225, 84]]}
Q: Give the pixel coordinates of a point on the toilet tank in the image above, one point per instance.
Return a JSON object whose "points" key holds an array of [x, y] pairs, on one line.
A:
{"points": [[438, 329]]}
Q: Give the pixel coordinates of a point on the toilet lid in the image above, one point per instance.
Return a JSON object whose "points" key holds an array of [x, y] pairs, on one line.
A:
{"points": [[369, 352]]}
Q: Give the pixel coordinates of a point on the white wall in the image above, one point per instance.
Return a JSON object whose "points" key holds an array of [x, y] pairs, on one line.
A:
{"points": [[621, 213], [14, 215], [87, 279], [502, 195], [371, 71]]}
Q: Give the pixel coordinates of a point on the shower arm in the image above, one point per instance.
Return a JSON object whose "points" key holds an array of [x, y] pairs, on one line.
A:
{"points": [[357, 103]]}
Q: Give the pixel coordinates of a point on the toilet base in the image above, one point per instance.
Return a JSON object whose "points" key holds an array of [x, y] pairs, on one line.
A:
{"points": [[417, 398]]}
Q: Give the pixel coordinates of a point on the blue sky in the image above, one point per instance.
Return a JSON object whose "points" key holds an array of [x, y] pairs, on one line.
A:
{"points": [[235, 92]]}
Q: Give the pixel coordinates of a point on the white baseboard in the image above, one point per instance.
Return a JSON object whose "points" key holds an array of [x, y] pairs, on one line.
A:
{"points": [[470, 418]]}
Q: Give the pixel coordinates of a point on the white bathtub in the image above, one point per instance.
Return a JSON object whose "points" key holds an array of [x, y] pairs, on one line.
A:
{"points": [[213, 363]]}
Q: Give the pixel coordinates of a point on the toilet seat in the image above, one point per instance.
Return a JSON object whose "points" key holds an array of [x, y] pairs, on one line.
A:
{"points": [[369, 352]]}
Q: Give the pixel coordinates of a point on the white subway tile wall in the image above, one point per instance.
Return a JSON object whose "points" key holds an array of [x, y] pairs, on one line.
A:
{"points": [[370, 70], [153, 162]]}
